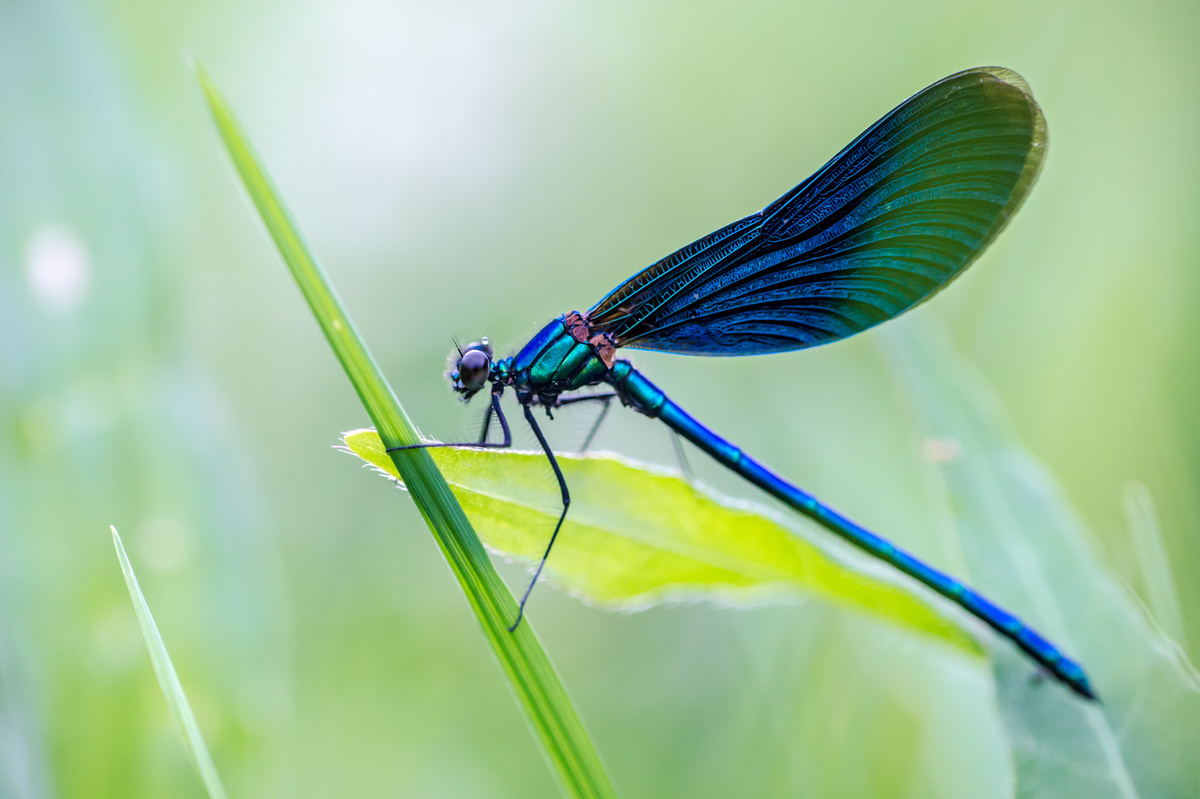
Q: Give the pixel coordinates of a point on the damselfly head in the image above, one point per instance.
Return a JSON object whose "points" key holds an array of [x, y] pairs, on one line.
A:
{"points": [[468, 368]]}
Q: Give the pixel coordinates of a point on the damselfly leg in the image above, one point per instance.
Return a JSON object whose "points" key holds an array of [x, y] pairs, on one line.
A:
{"points": [[605, 398], [682, 458], [566, 503], [507, 443], [495, 408]]}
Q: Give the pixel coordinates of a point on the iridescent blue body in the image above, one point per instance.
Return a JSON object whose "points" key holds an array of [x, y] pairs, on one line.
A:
{"points": [[886, 224]]}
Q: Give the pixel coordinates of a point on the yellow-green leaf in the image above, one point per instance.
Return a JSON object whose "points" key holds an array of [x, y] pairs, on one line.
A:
{"points": [[636, 536]]}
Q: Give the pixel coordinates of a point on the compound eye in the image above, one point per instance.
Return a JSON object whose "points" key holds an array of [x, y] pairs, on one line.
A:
{"points": [[473, 369]]}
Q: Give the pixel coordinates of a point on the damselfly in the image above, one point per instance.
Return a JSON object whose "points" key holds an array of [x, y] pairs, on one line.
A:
{"points": [[883, 226]]}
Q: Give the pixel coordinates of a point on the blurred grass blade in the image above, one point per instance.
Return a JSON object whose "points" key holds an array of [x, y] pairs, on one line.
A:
{"points": [[1158, 582], [636, 537], [531, 676], [1026, 548], [169, 681]]}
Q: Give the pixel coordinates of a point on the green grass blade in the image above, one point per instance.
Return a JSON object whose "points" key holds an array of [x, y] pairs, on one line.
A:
{"points": [[537, 687], [168, 680], [1025, 547], [636, 537]]}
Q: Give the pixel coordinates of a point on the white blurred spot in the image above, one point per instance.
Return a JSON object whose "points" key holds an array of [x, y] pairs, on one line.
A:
{"points": [[57, 267], [165, 544], [941, 450]]}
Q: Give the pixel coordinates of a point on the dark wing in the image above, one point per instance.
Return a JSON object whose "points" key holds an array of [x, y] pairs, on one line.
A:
{"points": [[888, 222]]}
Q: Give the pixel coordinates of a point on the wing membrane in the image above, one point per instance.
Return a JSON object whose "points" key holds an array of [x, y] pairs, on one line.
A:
{"points": [[887, 223]]}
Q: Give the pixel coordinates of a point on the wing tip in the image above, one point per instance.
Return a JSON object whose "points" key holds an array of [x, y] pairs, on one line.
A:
{"points": [[1008, 76], [1038, 143]]}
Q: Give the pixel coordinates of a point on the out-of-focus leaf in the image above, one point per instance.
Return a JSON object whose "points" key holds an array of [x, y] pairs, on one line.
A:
{"points": [[168, 680], [635, 536], [1157, 579], [1025, 546]]}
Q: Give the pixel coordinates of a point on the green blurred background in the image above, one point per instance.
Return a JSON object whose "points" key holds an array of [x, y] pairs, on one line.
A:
{"points": [[476, 168]]}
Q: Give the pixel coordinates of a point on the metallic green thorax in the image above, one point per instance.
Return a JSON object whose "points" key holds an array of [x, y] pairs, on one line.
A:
{"points": [[553, 361]]}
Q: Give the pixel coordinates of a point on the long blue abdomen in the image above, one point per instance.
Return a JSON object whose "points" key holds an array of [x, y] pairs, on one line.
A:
{"points": [[643, 395]]}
